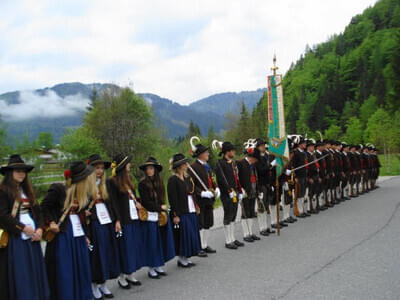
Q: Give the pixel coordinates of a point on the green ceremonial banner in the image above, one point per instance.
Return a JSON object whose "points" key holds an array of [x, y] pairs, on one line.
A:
{"points": [[278, 145]]}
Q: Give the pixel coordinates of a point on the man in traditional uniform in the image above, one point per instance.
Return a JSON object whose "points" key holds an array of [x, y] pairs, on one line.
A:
{"points": [[231, 192], [322, 174], [346, 168], [312, 178], [299, 161], [264, 168], [206, 191], [249, 182]]}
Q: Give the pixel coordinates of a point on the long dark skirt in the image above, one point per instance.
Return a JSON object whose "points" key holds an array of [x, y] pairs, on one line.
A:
{"points": [[187, 239], [152, 244], [130, 248], [104, 258], [167, 238], [4, 274], [26, 269], [68, 267]]}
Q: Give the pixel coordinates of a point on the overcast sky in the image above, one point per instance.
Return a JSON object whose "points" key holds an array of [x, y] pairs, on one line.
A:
{"points": [[182, 50]]}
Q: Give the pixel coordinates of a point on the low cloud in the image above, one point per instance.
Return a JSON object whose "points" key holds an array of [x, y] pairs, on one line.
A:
{"points": [[32, 105]]}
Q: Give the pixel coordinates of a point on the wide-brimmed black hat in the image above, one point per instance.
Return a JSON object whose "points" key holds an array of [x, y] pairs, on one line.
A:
{"points": [[78, 171], [15, 162], [178, 159], [226, 146], [260, 142], [96, 159], [319, 143], [199, 150], [151, 161], [302, 141], [119, 162]]}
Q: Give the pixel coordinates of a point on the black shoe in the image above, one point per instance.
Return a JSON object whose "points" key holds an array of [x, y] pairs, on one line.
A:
{"points": [[270, 231], [301, 216], [288, 220], [248, 239], [191, 264], [254, 237], [107, 296], [100, 298], [208, 249], [323, 208], [293, 219], [136, 282], [307, 214], [231, 246], [163, 273], [264, 233], [153, 276], [202, 253], [283, 224], [125, 287], [274, 226], [181, 265], [238, 244]]}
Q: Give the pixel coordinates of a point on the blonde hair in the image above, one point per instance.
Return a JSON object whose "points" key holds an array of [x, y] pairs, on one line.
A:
{"points": [[176, 171], [102, 187], [80, 191]]}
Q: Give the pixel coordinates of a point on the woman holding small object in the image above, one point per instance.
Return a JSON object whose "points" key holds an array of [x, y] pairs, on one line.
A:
{"points": [[183, 211]]}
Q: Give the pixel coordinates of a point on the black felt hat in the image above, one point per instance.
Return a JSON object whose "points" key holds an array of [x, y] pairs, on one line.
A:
{"points": [[260, 142], [178, 159], [151, 161], [15, 162], [96, 159], [78, 171], [226, 146], [199, 150], [119, 163]]}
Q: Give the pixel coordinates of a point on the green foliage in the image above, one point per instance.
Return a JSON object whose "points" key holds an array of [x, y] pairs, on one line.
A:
{"points": [[4, 148], [334, 132], [80, 143], [354, 131], [45, 140]]}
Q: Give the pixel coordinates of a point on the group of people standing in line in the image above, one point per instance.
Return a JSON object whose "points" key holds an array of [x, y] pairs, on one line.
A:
{"points": [[98, 228]]}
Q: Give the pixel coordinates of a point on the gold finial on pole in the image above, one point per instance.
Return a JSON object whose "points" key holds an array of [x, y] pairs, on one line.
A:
{"points": [[274, 68]]}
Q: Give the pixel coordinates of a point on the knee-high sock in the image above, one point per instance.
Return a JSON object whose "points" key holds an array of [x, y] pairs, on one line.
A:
{"points": [[250, 225], [286, 211], [268, 217], [262, 221], [202, 238], [206, 235], [272, 209], [232, 231], [300, 203], [245, 228], [227, 233]]}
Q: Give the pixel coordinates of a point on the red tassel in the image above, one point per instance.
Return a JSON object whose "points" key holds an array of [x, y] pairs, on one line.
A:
{"points": [[67, 174]]}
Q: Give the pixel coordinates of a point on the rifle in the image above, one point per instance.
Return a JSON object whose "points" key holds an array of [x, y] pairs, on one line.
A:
{"points": [[226, 181], [199, 179]]}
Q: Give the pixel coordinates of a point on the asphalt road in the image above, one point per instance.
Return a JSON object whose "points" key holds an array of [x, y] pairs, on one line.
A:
{"points": [[350, 251]]}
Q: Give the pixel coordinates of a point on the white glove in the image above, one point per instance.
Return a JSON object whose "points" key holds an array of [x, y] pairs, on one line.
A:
{"points": [[260, 196], [273, 163], [240, 197], [217, 193], [272, 188], [286, 186], [231, 194], [244, 194], [288, 172], [207, 194]]}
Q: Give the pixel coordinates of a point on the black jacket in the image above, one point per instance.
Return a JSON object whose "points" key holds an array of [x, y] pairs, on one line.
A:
{"points": [[245, 176], [312, 169], [149, 197], [119, 202], [263, 169], [204, 176], [178, 193], [53, 206], [299, 159], [10, 224], [225, 176]]}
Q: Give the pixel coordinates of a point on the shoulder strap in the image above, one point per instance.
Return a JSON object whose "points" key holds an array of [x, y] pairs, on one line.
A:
{"points": [[64, 215], [15, 208]]}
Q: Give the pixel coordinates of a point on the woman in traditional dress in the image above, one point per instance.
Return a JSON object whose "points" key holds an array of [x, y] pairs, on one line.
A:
{"points": [[183, 211], [104, 257], [67, 254], [121, 192], [20, 216], [159, 243]]}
